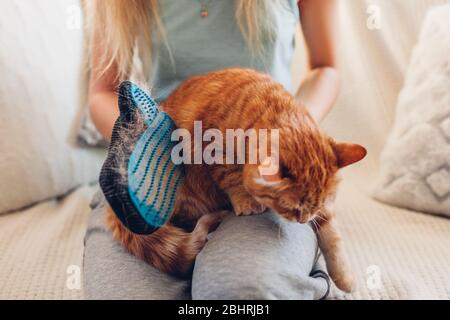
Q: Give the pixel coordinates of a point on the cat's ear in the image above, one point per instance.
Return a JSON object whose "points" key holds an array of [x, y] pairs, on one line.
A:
{"points": [[348, 153]]}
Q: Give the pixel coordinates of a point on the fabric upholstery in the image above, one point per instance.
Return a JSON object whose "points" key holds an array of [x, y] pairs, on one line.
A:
{"points": [[41, 63]]}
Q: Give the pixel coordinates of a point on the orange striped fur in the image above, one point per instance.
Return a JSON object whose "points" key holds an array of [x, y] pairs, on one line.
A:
{"points": [[300, 191]]}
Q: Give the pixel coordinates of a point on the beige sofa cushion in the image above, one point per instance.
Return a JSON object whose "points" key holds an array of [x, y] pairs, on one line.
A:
{"points": [[395, 253], [42, 248], [40, 95]]}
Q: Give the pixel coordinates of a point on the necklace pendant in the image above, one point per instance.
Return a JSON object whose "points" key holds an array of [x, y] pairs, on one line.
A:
{"points": [[204, 13]]}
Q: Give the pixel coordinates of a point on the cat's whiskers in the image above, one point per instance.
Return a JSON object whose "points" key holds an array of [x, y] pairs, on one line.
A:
{"points": [[315, 224], [324, 219], [316, 227]]}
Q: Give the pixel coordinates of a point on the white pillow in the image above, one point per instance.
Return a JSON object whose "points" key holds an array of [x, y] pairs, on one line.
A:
{"points": [[415, 165], [41, 85]]}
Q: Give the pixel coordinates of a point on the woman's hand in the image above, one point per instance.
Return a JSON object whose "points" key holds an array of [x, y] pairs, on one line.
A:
{"points": [[321, 86], [318, 91], [102, 98], [104, 111]]}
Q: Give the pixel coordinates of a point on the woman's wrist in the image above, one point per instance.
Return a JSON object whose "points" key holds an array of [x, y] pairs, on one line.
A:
{"points": [[319, 91], [104, 112]]}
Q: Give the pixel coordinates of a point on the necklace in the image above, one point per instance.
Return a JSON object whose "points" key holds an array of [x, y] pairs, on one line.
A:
{"points": [[204, 12]]}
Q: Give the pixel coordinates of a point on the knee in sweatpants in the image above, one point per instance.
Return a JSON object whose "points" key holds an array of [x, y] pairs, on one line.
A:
{"points": [[232, 286]]}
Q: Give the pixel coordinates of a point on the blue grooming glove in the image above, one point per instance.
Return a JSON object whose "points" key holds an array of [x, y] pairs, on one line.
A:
{"points": [[144, 196]]}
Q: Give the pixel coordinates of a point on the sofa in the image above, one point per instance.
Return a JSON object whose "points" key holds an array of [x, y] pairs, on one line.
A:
{"points": [[395, 253]]}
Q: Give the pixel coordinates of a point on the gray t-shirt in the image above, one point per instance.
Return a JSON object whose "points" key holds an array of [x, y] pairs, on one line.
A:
{"points": [[199, 45]]}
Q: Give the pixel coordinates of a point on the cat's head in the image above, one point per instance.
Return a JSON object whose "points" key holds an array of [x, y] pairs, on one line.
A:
{"points": [[305, 179]]}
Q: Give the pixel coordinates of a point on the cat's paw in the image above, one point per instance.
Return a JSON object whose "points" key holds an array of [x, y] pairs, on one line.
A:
{"points": [[247, 206]]}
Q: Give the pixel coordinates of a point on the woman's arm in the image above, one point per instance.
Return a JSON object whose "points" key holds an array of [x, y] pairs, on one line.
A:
{"points": [[102, 97], [321, 86]]}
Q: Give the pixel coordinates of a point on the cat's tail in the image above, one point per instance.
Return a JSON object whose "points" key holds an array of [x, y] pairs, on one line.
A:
{"points": [[169, 249]]}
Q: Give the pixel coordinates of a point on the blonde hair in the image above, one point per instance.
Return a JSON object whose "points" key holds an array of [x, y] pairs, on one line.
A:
{"points": [[122, 24]]}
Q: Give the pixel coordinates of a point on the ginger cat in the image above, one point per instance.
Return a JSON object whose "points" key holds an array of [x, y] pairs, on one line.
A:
{"points": [[301, 190]]}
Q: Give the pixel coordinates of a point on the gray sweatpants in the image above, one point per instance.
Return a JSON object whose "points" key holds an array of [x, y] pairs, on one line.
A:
{"points": [[256, 257]]}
